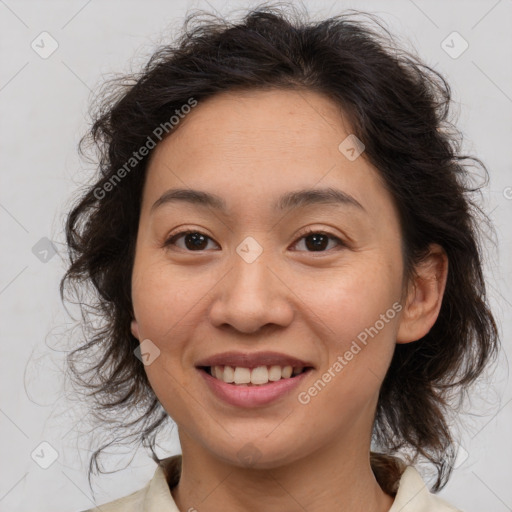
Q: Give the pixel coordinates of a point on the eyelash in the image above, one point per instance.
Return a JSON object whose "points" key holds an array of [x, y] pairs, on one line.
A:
{"points": [[171, 240]]}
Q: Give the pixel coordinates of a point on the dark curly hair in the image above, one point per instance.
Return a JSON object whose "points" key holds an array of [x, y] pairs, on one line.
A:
{"points": [[397, 106]]}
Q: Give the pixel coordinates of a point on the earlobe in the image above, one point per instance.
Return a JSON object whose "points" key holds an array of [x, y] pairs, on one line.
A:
{"points": [[425, 296], [134, 327]]}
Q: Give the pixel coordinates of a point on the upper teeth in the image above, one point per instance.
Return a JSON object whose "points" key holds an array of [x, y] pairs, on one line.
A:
{"points": [[259, 375]]}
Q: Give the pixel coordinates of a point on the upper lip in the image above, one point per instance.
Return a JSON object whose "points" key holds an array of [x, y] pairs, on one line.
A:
{"points": [[252, 360]]}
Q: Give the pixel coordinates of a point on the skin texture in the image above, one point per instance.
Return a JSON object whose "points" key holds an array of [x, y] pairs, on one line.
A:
{"points": [[249, 148]]}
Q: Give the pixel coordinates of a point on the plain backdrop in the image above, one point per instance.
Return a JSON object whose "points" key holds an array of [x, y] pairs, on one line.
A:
{"points": [[44, 101]]}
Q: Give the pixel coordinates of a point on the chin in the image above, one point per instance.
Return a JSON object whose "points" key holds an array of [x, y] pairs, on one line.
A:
{"points": [[258, 454]]}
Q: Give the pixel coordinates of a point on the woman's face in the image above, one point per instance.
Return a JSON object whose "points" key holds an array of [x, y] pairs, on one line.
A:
{"points": [[250, 288]]}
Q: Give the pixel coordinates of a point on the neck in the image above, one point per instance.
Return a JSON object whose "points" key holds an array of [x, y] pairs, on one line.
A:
{"points": [[331, 478]]}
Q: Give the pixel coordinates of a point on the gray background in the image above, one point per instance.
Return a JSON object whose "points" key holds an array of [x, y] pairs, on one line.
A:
{"points": [[43, 104]]}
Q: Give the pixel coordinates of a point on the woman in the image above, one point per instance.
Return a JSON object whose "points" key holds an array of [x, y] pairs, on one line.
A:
{"points": [[287, 263]]}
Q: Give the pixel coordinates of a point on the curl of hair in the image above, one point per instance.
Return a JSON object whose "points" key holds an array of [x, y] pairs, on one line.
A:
{"points": [[397, 106]]}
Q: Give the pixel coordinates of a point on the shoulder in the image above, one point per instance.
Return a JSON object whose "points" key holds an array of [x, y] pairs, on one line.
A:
{"points": [[132, 503], [154, 497], [413, 495]]}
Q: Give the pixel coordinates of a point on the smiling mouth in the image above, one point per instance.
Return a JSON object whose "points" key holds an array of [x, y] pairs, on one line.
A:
{"points": [[259, 376]]}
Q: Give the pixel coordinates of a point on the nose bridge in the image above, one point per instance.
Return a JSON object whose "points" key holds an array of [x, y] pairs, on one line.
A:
{"points": [[250, 296], [251, 278]]}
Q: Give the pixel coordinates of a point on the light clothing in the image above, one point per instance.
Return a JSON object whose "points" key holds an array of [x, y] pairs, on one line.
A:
{"points": [[412, 494]]}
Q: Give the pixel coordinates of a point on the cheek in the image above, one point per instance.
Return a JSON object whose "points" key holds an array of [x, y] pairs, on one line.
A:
{"points": [[163, 303], [360, 311], [166, 304], [350, 299], [164, 299]]}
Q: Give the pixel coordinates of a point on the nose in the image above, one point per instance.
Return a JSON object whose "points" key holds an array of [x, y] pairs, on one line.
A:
{"points": [[251, 296]]}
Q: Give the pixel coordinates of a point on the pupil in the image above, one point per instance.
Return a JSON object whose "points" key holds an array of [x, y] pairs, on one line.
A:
{"points": [[197, 241], [319, 241]]}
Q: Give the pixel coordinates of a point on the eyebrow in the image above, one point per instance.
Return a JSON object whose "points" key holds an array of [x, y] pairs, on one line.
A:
{"points": [[288, 201]]}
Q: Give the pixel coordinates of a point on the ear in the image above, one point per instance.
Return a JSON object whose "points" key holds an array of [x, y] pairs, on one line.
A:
{"points": [[424, 296], [134, 327]]}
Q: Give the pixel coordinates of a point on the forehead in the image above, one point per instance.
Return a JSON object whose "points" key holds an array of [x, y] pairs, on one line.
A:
{"points": [[275, 122], [253, 146]]}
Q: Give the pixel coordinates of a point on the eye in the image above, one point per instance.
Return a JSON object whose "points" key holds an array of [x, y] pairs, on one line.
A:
{"points": [[314, 241], [318, 241], [192, 240]]}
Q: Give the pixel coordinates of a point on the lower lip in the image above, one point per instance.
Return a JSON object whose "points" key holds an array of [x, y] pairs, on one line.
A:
{"points": [[252, 396]]}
